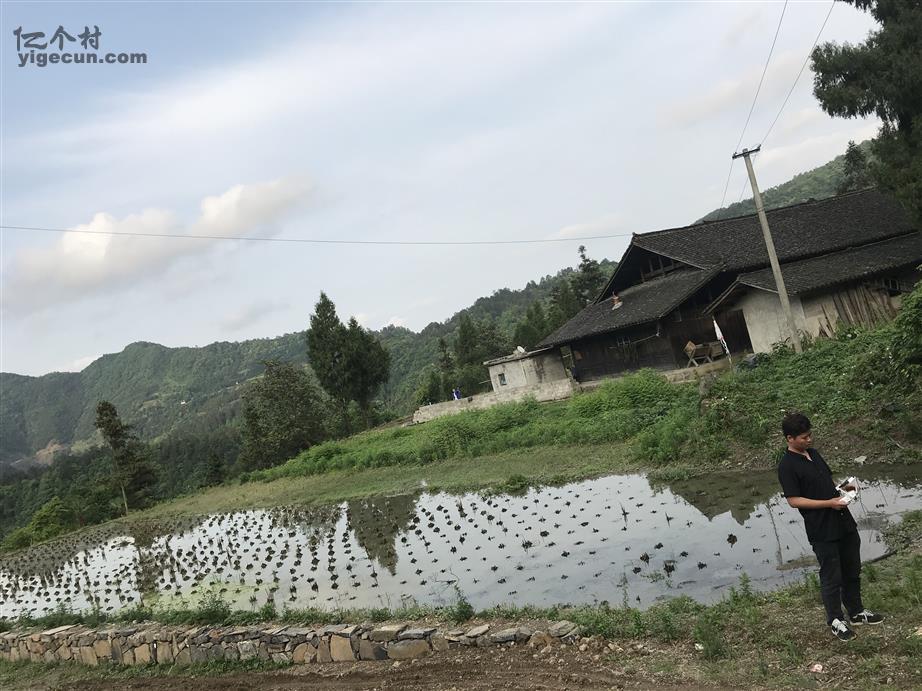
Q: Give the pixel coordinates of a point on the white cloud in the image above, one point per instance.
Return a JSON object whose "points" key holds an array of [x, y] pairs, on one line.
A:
{"points": [[396, 321], [361, 318], [78, 264]]}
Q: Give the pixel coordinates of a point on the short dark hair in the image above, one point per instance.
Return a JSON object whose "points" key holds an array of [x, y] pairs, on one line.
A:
{"points": [[795, 424]]}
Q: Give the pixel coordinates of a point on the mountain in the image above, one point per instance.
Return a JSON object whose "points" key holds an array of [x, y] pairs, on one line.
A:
{"points": [[819, 183], [160, 390]]}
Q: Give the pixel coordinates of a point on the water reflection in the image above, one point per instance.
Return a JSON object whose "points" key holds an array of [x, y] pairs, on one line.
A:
{"points": [[611, 539]]}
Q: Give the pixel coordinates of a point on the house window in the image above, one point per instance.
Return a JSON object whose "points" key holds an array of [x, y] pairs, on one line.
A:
{"points": [[502, 378]]}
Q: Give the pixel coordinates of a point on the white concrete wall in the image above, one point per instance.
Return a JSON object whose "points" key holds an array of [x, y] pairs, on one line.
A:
{"points": [[812, 315], [765, 320], [538, 369], [548, 391]]}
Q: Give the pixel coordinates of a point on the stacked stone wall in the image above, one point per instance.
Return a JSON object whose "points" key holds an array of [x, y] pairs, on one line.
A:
{"points": [[148, 643]]}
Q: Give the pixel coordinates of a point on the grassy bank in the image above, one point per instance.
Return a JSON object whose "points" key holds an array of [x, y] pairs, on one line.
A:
{"points": [[540, 465], [747, 639]]}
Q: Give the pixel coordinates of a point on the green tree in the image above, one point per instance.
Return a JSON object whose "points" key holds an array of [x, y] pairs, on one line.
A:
{"points": [[467, 348], [326, 348], [430, 389], [856, 173], [52, 519], [883, 77], [214, 471], [491, 343], [282, 415], [588, 280], [367, 366], [564, 306], [532, 328], [132, 473]]}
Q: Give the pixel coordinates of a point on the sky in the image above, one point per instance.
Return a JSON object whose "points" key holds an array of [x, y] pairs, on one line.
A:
{"points": [[410, 121]]}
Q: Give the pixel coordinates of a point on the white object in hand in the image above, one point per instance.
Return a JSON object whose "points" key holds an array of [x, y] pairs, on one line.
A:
{"points": [[848, 495]]}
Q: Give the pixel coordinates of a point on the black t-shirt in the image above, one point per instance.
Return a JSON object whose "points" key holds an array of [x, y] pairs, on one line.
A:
{"points": [[800, 477]]}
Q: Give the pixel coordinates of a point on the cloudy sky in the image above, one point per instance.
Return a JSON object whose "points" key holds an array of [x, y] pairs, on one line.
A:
{"points": [[365, 121]]}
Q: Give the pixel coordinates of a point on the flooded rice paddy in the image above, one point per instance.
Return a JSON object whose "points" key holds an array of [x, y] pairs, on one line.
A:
{"points": [[617, 539]]}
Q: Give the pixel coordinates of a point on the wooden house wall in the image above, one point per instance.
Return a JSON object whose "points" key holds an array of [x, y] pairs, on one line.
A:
{"points": [[617, 353], [701, 330]]}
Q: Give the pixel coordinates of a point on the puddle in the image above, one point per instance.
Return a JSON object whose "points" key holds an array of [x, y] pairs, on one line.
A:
{"points": [[611, 539]]}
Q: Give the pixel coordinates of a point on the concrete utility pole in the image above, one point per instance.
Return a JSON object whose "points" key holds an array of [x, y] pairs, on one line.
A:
{"points": [[770, 246]]}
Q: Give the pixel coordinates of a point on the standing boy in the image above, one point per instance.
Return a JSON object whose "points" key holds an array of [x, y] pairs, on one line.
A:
{"points": [[806, 482]]}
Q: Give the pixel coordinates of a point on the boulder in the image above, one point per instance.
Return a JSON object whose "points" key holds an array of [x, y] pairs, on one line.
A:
{"points": [[503, 636], [408, 650], [247, 650], [303, 653], [386, 633], [371, 651], [477, 631], [562, 629], [142, 654], [341, 649], [414, 633], [323, 651]]}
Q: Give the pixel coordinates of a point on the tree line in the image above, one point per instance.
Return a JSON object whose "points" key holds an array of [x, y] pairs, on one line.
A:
{"points": [[285, 411], [460, 361]]}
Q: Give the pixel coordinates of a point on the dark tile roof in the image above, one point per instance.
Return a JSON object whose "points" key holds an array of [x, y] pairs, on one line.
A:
{"points": [[840, 267], [643, 302], [803, 230], [516, 356]]}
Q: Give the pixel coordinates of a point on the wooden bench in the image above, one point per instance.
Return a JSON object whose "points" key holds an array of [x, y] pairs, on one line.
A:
{"points": [[700, 353]]}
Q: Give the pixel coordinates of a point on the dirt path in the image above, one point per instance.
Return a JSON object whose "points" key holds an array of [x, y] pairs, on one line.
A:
{"points": [[477, 669]]}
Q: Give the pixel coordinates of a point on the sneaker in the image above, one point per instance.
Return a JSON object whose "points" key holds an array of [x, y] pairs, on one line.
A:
{"points": [[841, 630], [865, 616]]}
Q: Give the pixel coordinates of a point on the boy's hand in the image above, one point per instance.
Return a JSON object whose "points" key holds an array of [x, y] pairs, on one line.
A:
{"points": [[838, 503]]}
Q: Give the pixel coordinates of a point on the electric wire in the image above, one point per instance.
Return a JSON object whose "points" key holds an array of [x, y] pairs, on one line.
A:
{"points": [[797, 78], [249, 238], [752, 107]]}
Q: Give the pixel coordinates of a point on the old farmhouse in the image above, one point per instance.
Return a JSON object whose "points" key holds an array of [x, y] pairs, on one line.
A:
{"points": [[846, 259]]}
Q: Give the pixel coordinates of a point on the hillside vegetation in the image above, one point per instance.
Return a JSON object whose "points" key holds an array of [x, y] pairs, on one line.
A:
{"points": [[819, 183], [160, 390]]}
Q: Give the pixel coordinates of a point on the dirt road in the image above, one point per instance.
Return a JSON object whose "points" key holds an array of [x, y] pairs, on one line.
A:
{"points": [[474, 669]]}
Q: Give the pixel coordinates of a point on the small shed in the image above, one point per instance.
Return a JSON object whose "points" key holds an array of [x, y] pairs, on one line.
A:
{"points": [[526, 368]]}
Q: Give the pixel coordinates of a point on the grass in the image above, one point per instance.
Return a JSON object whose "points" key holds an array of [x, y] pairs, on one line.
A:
{"points": [[548, 464], [65, 675]]}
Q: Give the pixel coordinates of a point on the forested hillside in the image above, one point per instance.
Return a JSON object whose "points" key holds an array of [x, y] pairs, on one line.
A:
{"points": [[161, 390], [819, 183]]}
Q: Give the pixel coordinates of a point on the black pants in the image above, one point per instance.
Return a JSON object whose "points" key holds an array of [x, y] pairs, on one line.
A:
{"points": [[840, 575]]}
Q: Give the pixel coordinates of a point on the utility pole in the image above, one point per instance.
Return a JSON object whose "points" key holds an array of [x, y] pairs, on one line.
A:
{"points": [[770, 246]]}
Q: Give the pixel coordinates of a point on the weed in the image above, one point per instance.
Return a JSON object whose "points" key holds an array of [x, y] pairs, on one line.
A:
{"points": [[710, 634]]}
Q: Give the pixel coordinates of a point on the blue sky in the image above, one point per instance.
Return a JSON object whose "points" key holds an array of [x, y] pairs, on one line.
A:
{"points": [[402, 121]]}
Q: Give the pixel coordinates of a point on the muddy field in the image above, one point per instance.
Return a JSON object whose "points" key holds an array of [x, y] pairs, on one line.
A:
{"points": [[615, 539]]}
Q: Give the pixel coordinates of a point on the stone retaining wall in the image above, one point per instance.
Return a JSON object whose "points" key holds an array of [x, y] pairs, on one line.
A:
{"points": [[171, 645], [547, 391]]}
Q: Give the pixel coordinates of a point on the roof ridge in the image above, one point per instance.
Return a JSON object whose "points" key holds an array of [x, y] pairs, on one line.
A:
{"points": [[716, 222], [844, 250]]}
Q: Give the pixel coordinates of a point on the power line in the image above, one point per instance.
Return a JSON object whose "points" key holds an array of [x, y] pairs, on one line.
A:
{"points": [[313, 241], [752, 107], [762, 78], [790, 91], [802, 67]]}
